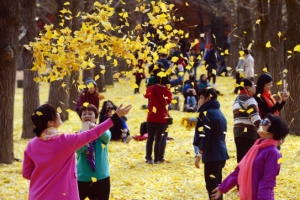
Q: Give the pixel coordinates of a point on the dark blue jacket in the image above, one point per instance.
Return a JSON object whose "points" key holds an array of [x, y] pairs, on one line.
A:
{"points": [[210, 132]]}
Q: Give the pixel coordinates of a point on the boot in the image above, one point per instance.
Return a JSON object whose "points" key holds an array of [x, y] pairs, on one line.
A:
{"points": [[185, 107]]}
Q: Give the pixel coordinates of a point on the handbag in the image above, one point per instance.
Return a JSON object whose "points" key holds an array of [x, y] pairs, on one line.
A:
{"points": [[169, 119]]}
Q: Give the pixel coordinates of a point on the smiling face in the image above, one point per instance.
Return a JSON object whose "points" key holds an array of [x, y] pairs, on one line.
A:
{"points": [[268, 86], [88, 116]]}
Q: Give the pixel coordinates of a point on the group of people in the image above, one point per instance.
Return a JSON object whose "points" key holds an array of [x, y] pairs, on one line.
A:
{"points": [[258, 133], [49, 161]]}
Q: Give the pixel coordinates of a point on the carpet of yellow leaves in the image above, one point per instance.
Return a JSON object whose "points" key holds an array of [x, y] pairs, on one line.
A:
{"points": [[131, 177]]}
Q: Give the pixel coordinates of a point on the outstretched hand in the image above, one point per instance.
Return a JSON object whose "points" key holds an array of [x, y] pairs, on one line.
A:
{"points": [[123, 111], [216, 193]]}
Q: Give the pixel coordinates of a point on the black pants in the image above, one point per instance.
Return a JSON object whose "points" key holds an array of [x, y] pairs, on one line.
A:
{"points": [[157, 130], [242, 147], [211, 75], [94, 191], [238, 81], [213, 175], [138, 82]]}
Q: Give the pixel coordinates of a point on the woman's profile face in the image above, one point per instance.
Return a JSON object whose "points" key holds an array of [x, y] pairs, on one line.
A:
{"points": [[88, 116], [58, 121], [203, 78], [268, 86]]}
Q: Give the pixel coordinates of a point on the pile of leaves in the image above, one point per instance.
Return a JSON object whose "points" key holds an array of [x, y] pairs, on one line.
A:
{"points": [[131, 177]]}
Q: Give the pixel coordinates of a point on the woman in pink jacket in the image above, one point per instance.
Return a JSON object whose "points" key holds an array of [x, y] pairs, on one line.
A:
{"points": [[49, 159]]}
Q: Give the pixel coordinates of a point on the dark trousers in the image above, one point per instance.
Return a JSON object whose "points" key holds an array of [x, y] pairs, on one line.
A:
{"points": [[156, 130], [242, 147], [94, 191], [163, 145], [211, 75], [238, 81], [138, 82], [213, 175]]}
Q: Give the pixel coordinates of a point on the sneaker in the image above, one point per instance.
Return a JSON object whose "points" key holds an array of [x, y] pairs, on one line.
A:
{"points": [[157, 162], [128, 139], [150, 161]]}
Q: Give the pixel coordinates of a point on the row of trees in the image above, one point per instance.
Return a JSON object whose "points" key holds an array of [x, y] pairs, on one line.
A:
{"points": [[253, 24]]}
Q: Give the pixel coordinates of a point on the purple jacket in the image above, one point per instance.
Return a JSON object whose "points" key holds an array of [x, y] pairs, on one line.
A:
{"points": [[264, 172]]}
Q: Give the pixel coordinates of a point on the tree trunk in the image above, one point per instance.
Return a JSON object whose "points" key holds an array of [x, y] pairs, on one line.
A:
{"points": [[276, 65], [77, 6], [261, 53], [97, 70], [31, 89], [9, 48], [291, 109], [58, 96], [245, 28]]}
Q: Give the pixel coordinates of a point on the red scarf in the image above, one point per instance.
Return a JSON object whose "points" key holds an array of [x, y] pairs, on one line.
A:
{"points": [[246, 165], [269, 99]]}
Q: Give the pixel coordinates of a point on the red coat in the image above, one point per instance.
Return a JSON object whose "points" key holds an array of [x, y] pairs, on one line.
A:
{"points": [[157, 113]]}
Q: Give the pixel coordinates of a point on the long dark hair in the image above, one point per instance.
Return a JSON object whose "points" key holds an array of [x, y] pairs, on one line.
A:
{"points": [[41, 116], [104, 109], [261, 81]]}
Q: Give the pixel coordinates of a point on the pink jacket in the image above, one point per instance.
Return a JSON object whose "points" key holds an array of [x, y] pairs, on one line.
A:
{"points": [[50, 165]]}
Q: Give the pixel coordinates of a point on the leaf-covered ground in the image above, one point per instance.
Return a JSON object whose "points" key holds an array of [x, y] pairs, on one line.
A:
{"points": [[131, 177]]}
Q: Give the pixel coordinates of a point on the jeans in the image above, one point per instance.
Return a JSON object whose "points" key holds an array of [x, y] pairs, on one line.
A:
{"points": [[213, 175], [156, 130], [242, 147], [191, 100], [98, 190]]}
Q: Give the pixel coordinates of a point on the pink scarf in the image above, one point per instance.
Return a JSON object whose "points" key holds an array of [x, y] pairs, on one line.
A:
{"points": [[245, 173]]}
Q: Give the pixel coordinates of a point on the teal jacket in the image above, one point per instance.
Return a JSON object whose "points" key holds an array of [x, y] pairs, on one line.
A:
{"points": [[84, 170]]}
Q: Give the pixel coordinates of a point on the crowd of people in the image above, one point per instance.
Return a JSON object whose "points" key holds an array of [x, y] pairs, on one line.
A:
{"points": [[258, 133]]}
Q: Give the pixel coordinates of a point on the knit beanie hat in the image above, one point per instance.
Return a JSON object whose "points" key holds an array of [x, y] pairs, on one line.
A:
{"points": [[90, 80]]}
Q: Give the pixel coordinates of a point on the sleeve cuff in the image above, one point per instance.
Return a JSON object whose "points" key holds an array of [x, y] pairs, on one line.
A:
{"points": [[115, 118]]}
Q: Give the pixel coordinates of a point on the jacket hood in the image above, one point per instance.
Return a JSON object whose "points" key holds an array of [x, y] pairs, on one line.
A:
{"points": [[213, 103]]}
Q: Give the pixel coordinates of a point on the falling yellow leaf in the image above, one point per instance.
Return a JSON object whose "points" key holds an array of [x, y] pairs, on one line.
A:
{"points": [[174, 101], [279, 82], [102, 71], [265, 69], [39, 113], [223, 74], [174, 59], [162, 74], [280, 160], [250, 111], [268, 44], [103, 146], [214, 71], [279, 34], [186, 4], [285, 71], [63, 85], [245, 130], [67, 3], [97, 77], [58, 109], [241, 110], [212, 176], [226, 51], [204, 113], [69, 110], [90, 85], [258, 21], [297, 48], [85, 104], [135, 86], [258, 95], [94, 180], [200, 129], [153, 109]]}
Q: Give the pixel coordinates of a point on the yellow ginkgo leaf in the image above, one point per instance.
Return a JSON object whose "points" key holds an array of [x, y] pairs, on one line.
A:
{"points": [[162, 74], [265, 69], [250, 110], [90, 85], [85, 104], [242, 84], [67, 3], [278, 94], [153, 109], [297, 48], [226, 51], [214, 71], [285, 71], [39, 113], [186, 4], [268, 44], [103, 146], [241, 110], [174, 101], [279, 34], [201, 135], [258, 95], [212, 176], [94, 180], [86, 198], [135, 86], [63, 85], [207, 127], [204, 113], [223, 74], [258, 21], [186, 35], [280, 160], [200, 129], [58, 109], [245, 130], [81, 87], [279, 82], [174, 59], [97, 77], [102, 71], [69, 110]]}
